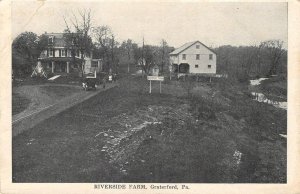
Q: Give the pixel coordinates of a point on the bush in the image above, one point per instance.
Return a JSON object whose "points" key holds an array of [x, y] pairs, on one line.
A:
{"points": [[188, 83], [203, 108]]}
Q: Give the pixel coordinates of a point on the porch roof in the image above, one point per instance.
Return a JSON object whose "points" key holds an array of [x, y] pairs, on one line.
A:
{"points": [[64, 59]]}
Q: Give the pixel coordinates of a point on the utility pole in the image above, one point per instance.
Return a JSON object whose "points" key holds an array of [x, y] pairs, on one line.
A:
{"points": [[163, 56], [143, 59], [112, 52]]}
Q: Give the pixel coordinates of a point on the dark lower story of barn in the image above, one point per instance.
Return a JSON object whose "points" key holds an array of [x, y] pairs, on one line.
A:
{"points": [[181, 68]]}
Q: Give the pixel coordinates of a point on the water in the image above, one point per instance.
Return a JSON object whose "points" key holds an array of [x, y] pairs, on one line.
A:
{"points": [[260, 97], [256, 82], [283, 135]]}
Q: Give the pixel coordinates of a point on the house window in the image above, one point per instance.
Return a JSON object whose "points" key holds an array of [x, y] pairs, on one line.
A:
{"points": [[196, 66], [210, 56], [50, 40], [209, 66], [59, 52], [183, 56], [63, 53], [197, 57], [51, 53], [197, 46]]}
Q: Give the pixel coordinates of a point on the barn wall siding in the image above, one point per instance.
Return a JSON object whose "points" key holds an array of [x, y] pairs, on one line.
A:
{"points": [[202, 63]]}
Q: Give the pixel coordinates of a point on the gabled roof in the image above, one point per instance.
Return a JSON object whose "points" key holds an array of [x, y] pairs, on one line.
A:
{"points": [[59, 40], [186, 46]]}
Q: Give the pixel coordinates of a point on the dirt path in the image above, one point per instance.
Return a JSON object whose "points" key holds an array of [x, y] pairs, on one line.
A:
{"points": [[45, 105]]}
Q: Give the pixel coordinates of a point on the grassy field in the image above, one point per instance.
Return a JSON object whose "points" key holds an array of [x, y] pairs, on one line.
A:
{"points": [[31, 97], [217, 134], [59, 92], [19, 103]]}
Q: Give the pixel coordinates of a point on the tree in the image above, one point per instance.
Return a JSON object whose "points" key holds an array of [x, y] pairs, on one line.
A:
{"points": [[104, 38], [113, 46], [26, 48], [77, 34], [146, 57], [274, 51], [128, 47], [164, 54], [26, 43]]}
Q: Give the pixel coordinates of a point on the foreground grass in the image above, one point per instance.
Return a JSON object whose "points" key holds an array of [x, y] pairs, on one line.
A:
{"points": [[19, 103], [59, 91], [218, 134]]}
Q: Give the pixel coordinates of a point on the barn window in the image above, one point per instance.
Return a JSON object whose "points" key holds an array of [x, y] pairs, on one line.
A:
{"points": [[183, 57], [197, 46], [210, 56], [94, 64], [197, 56], [209, 66], [196, 66]]}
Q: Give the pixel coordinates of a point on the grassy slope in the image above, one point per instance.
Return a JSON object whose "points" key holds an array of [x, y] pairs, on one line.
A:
{"points": [[19, 103], [275, 88], [195, 142], [59, 92]]}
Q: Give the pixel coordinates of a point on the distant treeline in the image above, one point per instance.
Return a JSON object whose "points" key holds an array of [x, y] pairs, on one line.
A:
{"points": [[243, 62], [240, 62]]}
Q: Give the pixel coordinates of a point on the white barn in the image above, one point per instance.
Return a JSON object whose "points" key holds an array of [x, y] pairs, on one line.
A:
{"points": [[193, 58]]}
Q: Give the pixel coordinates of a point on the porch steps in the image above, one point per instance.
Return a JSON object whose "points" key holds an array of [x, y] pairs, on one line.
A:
{"points": [[54, 77]]}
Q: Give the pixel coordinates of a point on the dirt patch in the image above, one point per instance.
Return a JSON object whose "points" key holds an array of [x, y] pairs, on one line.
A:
{"points": [[119, 145]]}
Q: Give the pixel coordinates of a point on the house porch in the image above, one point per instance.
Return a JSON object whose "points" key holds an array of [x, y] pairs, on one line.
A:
{"points": [[61, 66]]}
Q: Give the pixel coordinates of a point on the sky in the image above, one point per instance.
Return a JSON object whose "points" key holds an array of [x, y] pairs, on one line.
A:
{"points": [[214, 24]]}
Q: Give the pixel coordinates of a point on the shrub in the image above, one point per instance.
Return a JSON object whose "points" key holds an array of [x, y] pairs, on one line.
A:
{"points": [[188, 83], [203, 108]]}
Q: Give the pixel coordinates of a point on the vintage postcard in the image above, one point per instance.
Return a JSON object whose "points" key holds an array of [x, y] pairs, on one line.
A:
{"points": [[149, 96]]}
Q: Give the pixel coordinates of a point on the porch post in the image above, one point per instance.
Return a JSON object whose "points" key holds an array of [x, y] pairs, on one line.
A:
{"points": [[68, 67], [53, 66], [178, 72], [83, 67], [99, 68]]}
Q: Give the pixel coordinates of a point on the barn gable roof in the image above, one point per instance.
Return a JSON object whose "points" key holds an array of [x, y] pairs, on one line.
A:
{"points": [[186, 46]]}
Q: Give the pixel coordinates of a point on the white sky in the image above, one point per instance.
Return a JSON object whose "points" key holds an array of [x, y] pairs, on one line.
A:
{"points": [[214, 24]]}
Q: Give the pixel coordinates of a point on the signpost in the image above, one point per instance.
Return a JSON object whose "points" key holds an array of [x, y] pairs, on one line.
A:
{"points": [[155, 78]]}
